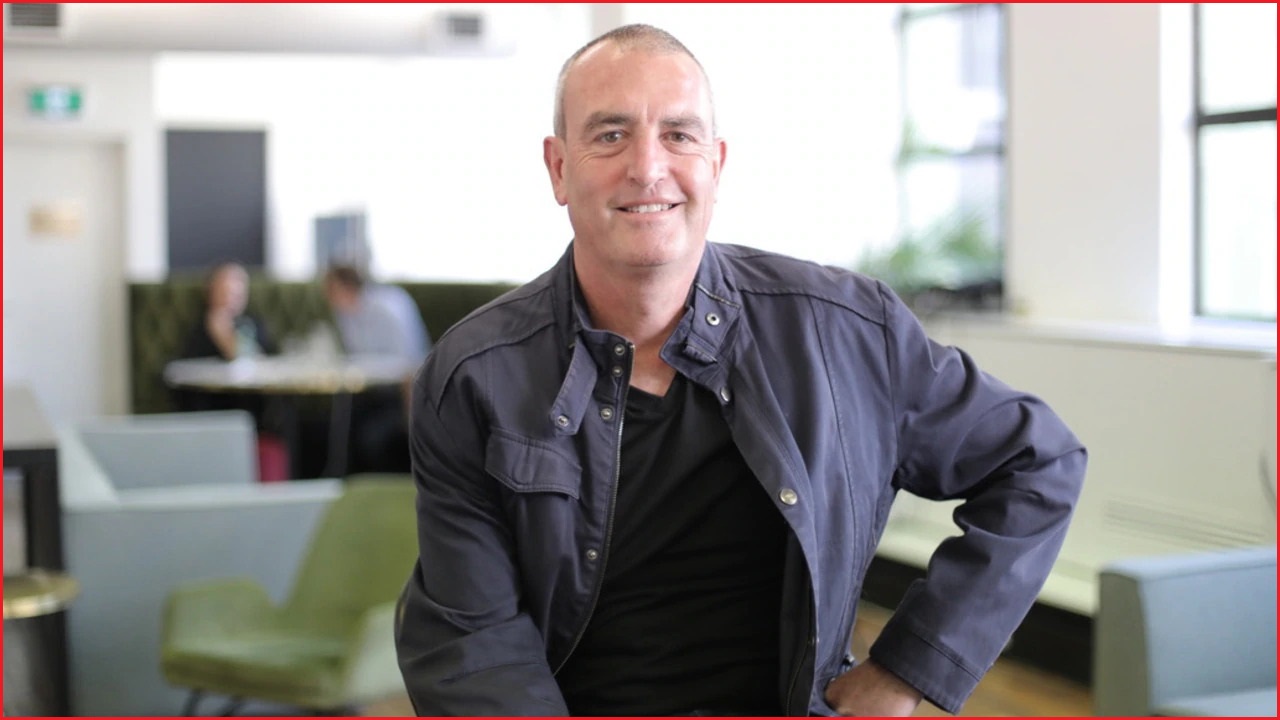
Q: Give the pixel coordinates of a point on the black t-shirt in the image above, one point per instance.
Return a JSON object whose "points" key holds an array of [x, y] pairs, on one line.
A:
{"points": [[199, 344], [687, 619]]}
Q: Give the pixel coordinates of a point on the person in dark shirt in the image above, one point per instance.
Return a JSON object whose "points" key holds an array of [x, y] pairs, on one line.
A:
{"points": [[225, 329], [228, 331], [651, 481]]}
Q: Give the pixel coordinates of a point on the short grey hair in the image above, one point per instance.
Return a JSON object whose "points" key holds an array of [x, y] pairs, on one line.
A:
{"points": [[628, 37]]}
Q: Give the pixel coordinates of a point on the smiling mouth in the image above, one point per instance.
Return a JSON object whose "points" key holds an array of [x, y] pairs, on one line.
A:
{"points": [[642, 209]]}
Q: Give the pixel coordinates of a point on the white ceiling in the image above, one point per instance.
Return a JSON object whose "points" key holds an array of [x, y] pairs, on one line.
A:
{"points": [[377, 28]]}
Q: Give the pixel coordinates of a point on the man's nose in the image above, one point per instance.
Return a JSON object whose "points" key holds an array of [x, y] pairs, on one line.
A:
{"points": [[648, 161]]}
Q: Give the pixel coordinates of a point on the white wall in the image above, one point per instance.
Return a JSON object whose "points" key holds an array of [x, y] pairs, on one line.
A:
{"points": [[118, 99], [1084, 161], [64, 291], [64, 299], [445, 154]]}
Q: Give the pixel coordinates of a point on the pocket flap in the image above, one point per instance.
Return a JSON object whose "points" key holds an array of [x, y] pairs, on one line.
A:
{"points": [[527, 465]]}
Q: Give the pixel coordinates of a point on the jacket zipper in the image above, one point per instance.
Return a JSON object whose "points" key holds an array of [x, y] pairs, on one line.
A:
{"points": [[621, 414]]}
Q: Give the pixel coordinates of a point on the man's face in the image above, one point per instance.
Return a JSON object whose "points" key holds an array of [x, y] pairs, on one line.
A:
{"points": [[341, 298], [638, 167]]}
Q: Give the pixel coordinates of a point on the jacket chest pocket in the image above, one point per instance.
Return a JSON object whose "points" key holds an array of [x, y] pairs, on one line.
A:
{"points": [[525, 465]]}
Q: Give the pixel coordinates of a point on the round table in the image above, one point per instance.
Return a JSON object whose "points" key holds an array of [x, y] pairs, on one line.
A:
{"points": [[37, 592], [338, 377], [298, 375]]}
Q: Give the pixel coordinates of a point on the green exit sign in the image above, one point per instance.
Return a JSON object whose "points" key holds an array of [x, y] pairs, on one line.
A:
{"points": [[55, 101]]}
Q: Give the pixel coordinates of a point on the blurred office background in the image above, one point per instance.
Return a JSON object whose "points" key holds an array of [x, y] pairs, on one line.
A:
{"points": [[1082, 196]]}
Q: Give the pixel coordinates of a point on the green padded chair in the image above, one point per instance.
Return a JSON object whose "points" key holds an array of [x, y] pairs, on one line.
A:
{"points": [[330, 646]]}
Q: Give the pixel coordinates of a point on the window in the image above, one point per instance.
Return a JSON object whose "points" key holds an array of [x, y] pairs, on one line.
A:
{"points": [[951, 177], [1235, 136]]}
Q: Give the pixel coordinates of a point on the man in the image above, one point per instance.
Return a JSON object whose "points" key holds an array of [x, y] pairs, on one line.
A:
{"points": [[381, 320], [374, 319], [651, 480]]}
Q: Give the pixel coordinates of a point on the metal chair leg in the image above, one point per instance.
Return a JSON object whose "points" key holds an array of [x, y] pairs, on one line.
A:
{"points": [[340, 711], [189, 709]]}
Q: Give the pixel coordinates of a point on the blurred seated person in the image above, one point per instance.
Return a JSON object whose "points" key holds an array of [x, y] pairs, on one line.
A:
{"points": [[377, 319], [226, 330]]}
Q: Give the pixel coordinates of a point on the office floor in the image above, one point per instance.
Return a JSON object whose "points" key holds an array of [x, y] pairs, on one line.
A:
{"points": [[1011, 689]]}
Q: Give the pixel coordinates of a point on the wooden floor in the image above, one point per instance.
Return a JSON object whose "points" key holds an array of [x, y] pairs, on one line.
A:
{"points": [[1009, 690]]}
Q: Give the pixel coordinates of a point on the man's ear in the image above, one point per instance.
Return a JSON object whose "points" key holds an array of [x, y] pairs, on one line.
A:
{"points": [[553, 156], [721, 152]]}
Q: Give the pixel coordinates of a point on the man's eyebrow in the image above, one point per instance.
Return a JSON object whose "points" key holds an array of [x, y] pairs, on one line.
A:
{"points": [[598, 120], [684, 122]]}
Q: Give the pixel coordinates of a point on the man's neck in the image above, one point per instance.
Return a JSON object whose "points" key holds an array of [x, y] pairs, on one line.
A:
{"points": [[643, 306]]}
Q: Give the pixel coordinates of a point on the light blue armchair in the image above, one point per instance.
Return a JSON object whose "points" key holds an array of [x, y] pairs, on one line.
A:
{"points": [[153, 501], [1187, 634]]}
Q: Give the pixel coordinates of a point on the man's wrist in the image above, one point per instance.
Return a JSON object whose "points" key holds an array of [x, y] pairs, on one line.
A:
{"points": [[870, 689]]}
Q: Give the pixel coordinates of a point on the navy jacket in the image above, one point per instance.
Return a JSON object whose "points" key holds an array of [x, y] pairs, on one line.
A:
{"points": [[836, 399]]}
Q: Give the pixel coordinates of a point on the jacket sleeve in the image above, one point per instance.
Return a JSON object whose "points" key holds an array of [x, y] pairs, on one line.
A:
{"points": [[465, 646], [1018, 468]]}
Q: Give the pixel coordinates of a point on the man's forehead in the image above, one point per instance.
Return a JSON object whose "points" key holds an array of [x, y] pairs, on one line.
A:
{"points": [[597, 71], [602, 61]]}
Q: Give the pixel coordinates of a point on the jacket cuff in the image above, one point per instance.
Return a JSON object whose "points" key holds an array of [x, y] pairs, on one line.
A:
{"points": [[936, 672]]}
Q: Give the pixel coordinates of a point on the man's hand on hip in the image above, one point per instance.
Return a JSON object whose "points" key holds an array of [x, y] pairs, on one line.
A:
{"points": [[870, 690]]}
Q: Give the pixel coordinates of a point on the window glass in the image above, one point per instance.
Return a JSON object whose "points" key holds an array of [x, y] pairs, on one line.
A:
{"points": [[1236, 165], [954, 94], [1238, 56], [936, 189], [1238, 220], [951, 181]]}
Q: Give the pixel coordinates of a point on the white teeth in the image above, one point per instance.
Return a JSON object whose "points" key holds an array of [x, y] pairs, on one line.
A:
{"points": [[648, 208]]}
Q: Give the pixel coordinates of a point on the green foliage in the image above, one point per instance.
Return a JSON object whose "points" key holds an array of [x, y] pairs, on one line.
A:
{"points": [[914, 147], [954, 252]]}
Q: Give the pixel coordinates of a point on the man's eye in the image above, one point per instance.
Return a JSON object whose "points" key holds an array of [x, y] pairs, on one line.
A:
{"points": [[680, 137], [612, 136]]}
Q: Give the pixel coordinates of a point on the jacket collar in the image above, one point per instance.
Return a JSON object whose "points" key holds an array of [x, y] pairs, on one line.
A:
{"points": [[697, 347]]}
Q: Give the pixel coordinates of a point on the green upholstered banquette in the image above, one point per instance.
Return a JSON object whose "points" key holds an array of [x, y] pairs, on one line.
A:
{"points": [[161, 314]]}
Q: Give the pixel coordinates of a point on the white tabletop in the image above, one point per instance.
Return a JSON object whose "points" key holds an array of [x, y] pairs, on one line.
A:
{"points": [[300, 374]]}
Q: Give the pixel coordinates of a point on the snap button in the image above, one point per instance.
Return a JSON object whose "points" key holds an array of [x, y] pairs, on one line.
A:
{"points": [[619, 349], [593, 554], [788, 496], [617, 371], [563, 421], [724, 394], [713, 319], [606, 413]]}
